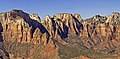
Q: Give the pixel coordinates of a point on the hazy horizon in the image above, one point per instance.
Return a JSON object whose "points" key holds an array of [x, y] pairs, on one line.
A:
{"points": [[43, 8]]}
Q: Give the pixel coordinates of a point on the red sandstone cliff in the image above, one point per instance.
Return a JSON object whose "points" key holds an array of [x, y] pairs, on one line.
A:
{"points": [[97, 33]]}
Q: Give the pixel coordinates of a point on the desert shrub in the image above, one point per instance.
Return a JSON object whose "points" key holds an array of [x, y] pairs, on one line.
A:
{"points": [[19, 49]]}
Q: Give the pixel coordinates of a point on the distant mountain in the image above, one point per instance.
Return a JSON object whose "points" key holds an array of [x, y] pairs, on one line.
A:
{"points": [[113, 18], [62, 36]]}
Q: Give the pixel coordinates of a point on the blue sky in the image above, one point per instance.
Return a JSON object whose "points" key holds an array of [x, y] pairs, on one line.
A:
{"points": [[86, 8]]}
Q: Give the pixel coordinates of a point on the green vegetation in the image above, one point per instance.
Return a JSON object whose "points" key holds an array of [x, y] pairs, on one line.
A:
{"points": [[75, 49], [19, 49]]}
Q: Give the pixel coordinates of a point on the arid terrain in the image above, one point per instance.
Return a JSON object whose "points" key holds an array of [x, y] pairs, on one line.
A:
{"points": [[61, 36]]}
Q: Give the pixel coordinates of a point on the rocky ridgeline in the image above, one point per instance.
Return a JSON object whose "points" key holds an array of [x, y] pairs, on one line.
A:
{"points": [[97, 33]]}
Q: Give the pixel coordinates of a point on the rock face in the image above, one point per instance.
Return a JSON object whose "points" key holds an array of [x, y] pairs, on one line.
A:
{"points": [[78, 17], [35, 17], [114, 17], [26, 34], [3, 51]]}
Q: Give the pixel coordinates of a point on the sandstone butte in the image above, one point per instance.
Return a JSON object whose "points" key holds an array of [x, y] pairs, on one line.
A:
{"points": [[26, 36]]}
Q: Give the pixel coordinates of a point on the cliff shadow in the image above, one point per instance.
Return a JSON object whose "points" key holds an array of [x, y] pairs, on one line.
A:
{"points": [[1, 30], [53, 25], [63, 33], [79, 26], [35, 24]]}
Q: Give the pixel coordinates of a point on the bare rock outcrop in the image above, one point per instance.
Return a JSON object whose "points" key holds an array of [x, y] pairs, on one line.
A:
{"points": [[35, 17]]}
